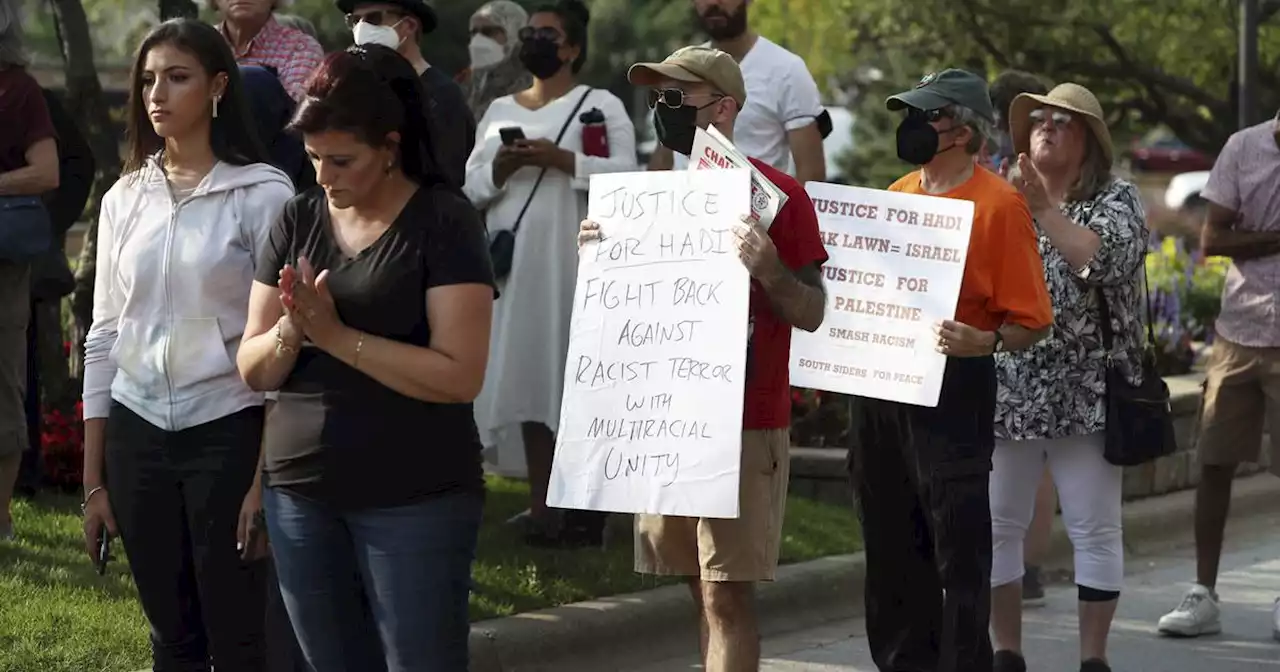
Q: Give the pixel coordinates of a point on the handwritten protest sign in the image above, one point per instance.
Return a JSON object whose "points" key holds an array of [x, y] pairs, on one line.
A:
{"points": [[712, 150], [895, 266], [651, 419]]}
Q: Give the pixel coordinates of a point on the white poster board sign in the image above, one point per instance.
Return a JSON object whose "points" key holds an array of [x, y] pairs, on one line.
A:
{"points": [[651, 419], [894, 271], [712, 150]]}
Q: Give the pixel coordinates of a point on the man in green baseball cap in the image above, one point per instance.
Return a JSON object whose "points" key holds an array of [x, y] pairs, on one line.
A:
{"points": [[921, 474]]}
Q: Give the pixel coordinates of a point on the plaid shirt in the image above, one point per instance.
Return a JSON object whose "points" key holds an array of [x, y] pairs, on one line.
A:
{"points": [[1246, 179], [293, 54]]}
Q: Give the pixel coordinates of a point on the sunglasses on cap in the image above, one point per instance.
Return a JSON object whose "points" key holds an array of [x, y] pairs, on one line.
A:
{"points": [[1041, 115], [377, 17], [544, 33], [675, 98]]}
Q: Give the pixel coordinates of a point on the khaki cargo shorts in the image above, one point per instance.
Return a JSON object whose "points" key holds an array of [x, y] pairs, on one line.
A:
{"points": [[1241, 391], [714, 549]]}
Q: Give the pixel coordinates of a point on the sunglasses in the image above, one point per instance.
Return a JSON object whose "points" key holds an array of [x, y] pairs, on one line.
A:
{"points": [[544, 33], [377, 17], [675, 98], [931, 115], [1042, 115]]}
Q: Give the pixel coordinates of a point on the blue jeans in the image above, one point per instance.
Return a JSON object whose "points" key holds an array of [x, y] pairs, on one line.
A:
{"points": [[411, 563]]}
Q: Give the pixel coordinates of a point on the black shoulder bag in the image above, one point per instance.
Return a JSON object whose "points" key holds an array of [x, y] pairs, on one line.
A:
{"points": [[502, 244], [1139, 419]]}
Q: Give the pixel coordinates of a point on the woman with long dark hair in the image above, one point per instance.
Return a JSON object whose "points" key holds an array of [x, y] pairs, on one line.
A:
{"points": [[172, 433], [370, 315]]}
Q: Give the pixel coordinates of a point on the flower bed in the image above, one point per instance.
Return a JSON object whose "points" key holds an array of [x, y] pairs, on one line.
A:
{"points": [[62, 446], [1186, 295]]}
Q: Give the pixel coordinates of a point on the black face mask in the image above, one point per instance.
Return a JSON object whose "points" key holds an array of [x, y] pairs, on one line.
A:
{"points": [[676, 127], [541, 57], [917, 140]]}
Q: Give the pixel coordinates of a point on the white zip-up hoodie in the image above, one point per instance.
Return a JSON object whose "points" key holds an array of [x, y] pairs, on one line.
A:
{"points": [[171, 294]]}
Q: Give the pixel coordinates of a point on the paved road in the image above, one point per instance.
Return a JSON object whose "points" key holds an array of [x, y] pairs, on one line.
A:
{"points": [[1249, 584]]}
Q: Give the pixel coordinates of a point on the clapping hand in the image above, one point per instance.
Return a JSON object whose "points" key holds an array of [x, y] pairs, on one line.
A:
{"points": [[1031, 183], [309, 303]]}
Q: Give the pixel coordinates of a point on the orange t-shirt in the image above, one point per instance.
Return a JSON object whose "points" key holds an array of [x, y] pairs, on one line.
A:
{"points": [[1003, 273]]}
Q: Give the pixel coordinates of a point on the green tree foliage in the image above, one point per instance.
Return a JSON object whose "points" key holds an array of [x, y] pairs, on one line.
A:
{"points": [[1151, 62], [814, 30]]}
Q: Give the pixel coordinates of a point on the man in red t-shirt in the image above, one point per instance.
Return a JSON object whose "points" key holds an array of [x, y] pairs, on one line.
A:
{"points": [[697, 87]]}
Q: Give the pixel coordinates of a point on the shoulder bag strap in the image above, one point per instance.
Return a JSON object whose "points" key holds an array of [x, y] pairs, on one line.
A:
{"points": [[1104, 311], [543, 172]]}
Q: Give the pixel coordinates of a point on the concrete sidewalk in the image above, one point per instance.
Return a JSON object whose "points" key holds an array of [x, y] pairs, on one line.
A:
{"points": [[1248, 584], [656, 625], [809, 600]]}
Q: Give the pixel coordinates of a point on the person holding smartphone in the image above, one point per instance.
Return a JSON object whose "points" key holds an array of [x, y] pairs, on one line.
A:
{"points": [[529, 174], [172, 434]]}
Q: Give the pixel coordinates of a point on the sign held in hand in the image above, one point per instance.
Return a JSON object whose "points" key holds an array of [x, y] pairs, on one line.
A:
{"points": [[651, 420], [894, 271], [711, 150]]}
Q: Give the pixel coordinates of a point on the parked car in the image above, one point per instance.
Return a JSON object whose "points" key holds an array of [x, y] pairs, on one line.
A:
{"points": [[1167, 154], [1183, 192]]}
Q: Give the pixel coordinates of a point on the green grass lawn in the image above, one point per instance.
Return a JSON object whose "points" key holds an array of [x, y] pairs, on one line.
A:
{"points": [[58, 615]]}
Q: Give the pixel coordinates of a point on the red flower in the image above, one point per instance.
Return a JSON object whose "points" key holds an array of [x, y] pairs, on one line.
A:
{"points": [[62, 446]]}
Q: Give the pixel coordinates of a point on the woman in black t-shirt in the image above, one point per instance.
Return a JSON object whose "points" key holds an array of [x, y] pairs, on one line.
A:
{"points": [[370, 315]]}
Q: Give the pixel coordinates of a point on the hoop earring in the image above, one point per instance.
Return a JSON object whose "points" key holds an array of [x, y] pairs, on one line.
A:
{"points": [[216, 100]]}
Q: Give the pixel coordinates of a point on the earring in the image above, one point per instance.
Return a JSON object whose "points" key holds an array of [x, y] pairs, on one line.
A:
{"points": [[216, 100]]}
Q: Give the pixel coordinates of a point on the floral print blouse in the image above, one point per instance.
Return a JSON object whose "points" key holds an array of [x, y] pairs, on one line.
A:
{"points": [[1057, 387]]}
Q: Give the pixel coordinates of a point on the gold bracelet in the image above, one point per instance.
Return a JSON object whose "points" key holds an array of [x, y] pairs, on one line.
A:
{"points": [[283, 348], [355, 361]]}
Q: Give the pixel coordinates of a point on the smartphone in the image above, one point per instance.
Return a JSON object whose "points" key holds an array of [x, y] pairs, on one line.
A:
{"points": [[104, 551], [511, 134]]}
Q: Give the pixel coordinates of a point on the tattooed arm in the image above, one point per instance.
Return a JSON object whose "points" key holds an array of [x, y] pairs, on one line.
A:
{"points": [[798, 297]]}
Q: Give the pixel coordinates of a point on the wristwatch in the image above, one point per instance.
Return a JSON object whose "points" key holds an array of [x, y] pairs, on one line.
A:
{"points": [[998, 345]]}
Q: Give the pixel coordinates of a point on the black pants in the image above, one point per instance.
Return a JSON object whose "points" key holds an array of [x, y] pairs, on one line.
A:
{"points": [[920, 478], [176, 497]]}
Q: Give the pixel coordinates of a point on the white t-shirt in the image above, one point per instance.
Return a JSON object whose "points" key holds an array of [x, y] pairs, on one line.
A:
{"points": [[781, 97]]}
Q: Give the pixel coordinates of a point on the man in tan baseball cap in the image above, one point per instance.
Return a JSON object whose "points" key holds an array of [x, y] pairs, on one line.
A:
{"points": [[697, 87]]}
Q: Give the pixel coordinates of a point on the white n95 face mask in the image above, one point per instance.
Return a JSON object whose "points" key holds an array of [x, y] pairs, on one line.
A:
{"points": [[366, 33], [485, 52]]}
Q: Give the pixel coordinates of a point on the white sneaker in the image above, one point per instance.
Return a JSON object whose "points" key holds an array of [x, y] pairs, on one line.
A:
{"points": [[1275, 620], [1198, 614]]}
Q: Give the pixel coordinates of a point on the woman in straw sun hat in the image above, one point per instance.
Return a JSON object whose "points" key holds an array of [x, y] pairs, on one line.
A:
{"points": [[1050, 406]]}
